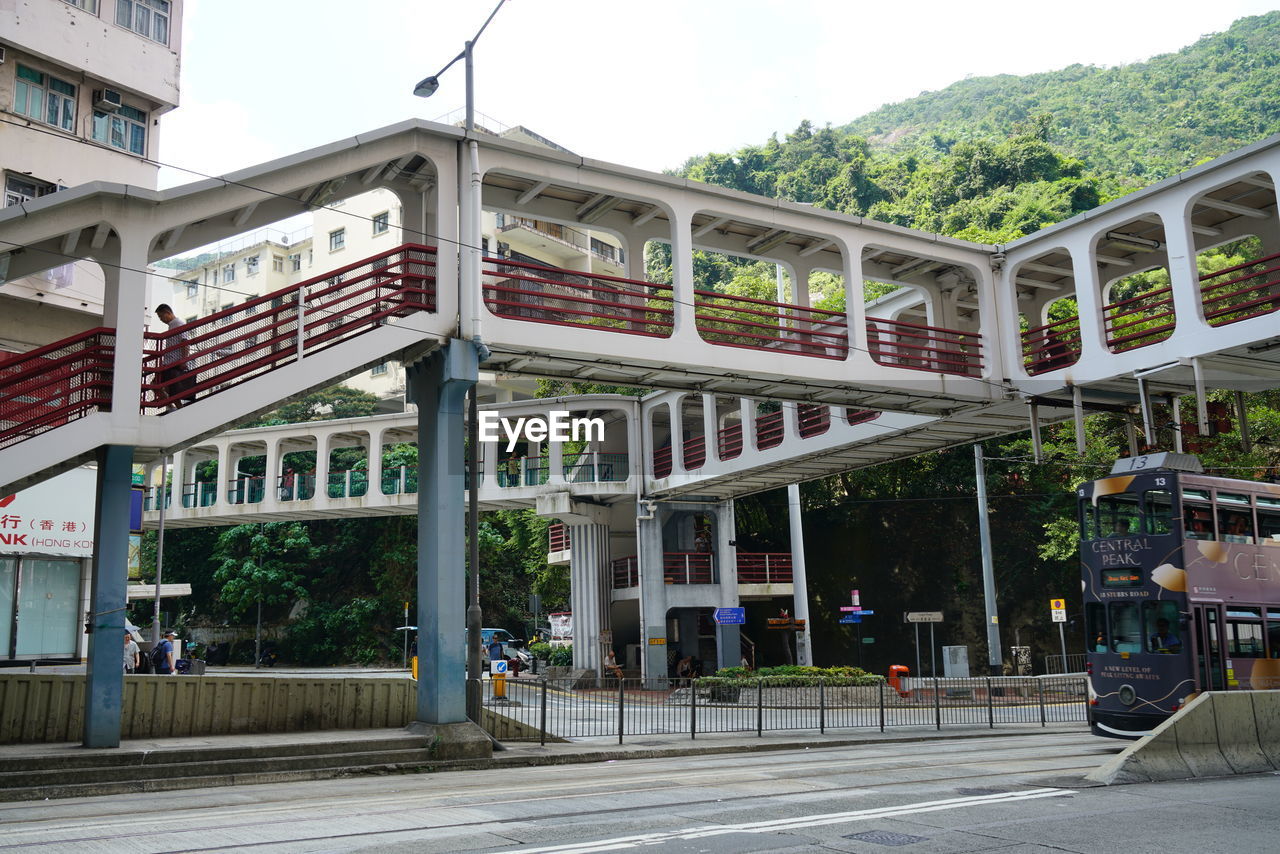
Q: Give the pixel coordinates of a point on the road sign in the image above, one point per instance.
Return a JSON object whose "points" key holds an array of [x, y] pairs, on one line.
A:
{"points": [[849, 608], [657, 641], [864, 612], [497, 667], [1059, 616], [922, 617], [729, 616], [851, 618], [1058, 607]]}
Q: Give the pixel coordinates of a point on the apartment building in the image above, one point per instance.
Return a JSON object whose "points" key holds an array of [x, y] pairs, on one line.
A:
{"points": [[83, 84]]}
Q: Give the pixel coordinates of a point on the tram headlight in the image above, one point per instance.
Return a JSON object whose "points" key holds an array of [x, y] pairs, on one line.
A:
{"points": [[1128, 696]]}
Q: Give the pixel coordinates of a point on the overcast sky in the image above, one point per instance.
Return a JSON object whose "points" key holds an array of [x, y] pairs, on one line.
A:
{"points": [[645, 84]]}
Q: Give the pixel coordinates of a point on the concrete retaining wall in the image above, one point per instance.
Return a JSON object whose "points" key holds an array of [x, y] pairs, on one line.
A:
{"points": [[38, 707], [1215, 735]]}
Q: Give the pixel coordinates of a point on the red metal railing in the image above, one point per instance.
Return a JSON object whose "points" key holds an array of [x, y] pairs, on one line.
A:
{"points": [[764, 567], [769, 430], [1052, 346], [695, 452], [729, 441], [814, 419], [1251, 290], [924, 348], [662, 461], [688, 568], [757, 324], [523, 291], [557, 537], [1139, 321], [54, 384], [861, 416], [240, 343], [626, 573]]}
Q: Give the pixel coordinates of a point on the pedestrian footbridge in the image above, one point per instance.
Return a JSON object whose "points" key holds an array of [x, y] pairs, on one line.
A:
{"points": [[1124, 307]]}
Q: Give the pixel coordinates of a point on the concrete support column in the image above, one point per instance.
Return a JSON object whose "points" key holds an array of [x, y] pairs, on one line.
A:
{"points": [[271, 472], [728, 637], [855, 301], [222, 485], [799, 582], [682, 273], [555, 462], [710, 428], [653, 596], [104, 687], [748, 408], [374, 464], [1088, 299], [1184, 277], [323, 441], [589, 592], [124, 308], [439, 386]]}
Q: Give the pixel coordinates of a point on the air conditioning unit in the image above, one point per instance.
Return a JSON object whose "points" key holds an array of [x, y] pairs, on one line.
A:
{"points": [[107, 99]]}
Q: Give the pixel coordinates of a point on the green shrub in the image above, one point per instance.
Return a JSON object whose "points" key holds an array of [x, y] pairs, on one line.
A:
{"points": [[561, 656], [788, 675], [540, 650]]}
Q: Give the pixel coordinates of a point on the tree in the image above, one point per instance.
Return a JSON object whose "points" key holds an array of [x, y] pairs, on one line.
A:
{"points": [[262, 564]]}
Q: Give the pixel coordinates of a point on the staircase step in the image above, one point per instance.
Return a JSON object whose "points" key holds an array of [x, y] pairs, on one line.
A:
{"points": [[74, 759], [159, 771]]}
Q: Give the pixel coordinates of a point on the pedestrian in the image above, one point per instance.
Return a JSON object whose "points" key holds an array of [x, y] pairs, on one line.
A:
{"points": [[173, 361], [131, 657], [162, 656]]}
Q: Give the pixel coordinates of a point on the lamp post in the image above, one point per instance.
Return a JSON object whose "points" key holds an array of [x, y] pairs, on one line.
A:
{"points": [[469, 269]]}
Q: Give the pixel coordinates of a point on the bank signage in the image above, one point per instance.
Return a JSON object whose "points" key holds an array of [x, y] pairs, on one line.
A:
{"points": [[51, 518]]}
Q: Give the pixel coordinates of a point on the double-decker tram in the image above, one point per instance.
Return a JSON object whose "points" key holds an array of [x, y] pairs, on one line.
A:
{"points": [[1181, 579]]}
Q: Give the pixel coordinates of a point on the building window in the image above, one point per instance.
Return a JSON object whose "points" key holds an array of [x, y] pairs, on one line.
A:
{"points": [[229, 273], [251, 265], [337, 239], [148, 18], [193, 289], [381, 222], [18, 190], [45, 99], [380, 368], [277, 263], [295, 261], [125, 129], [90, 6]]}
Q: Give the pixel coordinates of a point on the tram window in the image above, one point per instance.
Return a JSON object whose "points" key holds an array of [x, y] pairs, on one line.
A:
{"points": [[1273, 632], [1197, 521], [1095, 621], [1118, 515], [1235, 526], [1161, 620], [1269, 522], [1126, 627], [1157, 513], [1244, 632]]}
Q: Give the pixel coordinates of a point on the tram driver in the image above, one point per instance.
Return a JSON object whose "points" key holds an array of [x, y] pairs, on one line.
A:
{"points": [[1165, 641]]}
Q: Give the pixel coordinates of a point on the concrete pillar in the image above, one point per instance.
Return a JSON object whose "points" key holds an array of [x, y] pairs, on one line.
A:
{"points": [[222, 485], [324, 440], [271, 472], [104, 687], [588, 591], [1184, 277], [748, 421], [682, 273], [124, 308], [439, 385], [555, 462], [653, 596], [728, 637], [374, 464]]}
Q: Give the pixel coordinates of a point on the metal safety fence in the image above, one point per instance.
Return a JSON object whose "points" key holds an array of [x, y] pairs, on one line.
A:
{"points": [[603, 707]]}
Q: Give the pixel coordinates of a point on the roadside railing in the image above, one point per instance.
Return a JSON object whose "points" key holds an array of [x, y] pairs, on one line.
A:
{"points": [[1074, 664], [605, 707]]}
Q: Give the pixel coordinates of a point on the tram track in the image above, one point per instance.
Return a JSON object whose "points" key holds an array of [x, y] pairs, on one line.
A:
{"points": [[554, 797]]}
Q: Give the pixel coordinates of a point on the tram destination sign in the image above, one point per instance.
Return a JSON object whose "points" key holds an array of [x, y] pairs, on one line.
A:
{"points": [[922, 617]]}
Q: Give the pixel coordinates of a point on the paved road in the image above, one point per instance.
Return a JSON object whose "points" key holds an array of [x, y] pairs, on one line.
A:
{"points": [[1015, 794]]}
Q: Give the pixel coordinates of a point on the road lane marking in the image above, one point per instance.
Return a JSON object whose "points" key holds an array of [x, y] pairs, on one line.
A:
{"points": [[784, 824]]}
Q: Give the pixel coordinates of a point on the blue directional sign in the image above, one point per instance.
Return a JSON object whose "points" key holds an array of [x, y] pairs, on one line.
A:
{"points": [[863, 612], [498, 667], [730, 616], [851, 618]]}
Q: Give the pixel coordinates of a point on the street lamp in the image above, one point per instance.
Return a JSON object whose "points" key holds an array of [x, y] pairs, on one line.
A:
{"points": [[469, 268], [428, 86]]}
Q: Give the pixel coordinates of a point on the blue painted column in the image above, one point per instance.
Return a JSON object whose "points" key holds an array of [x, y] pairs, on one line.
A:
{"points": [[104, 691], [439, 385]]}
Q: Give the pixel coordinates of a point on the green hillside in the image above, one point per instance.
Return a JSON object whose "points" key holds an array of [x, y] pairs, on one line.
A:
{"points": [[1148, 119]]}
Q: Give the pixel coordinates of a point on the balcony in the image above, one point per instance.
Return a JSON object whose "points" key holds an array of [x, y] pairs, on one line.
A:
{"points": [[565, 235]]}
